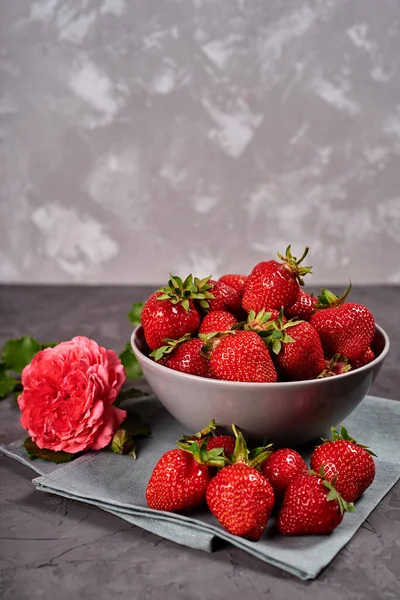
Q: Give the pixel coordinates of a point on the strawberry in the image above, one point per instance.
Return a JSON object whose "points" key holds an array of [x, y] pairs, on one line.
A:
{"points": [[224, 298], [237, 282], [239, 496], [181, 476], [336, 366], [170, 311], [242, 356], [368, 357], [351, 464], [217, 320], [272, 284], [345, 328], [303, 308], [281, 467], [311, 505], [227, 442], [188, 358], [298, 355]]}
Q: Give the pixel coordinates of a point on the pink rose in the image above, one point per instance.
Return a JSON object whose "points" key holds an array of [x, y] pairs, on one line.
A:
{"points": [[68, 395]]}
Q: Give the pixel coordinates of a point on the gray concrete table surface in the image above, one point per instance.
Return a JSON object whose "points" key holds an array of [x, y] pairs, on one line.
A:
{"points": [[51, 547]]}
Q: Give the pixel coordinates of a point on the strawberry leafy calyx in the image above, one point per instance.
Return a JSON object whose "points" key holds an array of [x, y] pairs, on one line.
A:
{"points": [[257, 322], [276, 334], [333, 493], [205, 433], [345, 436], [211, 341], [180, 292], [204, 291], [169, 345], [241, 454], [211, 458], [336, 366], [293, 264], [328, 299]]}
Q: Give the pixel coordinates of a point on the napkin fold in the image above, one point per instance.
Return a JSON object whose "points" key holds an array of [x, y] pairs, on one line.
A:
{"points": [[117, 485]]}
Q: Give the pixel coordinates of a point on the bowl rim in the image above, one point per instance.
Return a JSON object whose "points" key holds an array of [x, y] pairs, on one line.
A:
{"points": [[256, 384]]}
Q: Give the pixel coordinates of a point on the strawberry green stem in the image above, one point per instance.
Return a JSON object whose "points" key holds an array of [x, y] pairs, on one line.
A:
{"points": [[344, 435], [292, 264], [211, 458], [241, 454], [333, 493], [328, 299], [180, 292]]}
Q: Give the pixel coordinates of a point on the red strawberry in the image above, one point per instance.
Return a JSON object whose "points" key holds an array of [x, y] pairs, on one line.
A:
{"points": [[303, 309], [273, 285], [225, 298], [180, 478], [187, 358], [161, 319], [336, 366], [311, 505], [281, 467], [227, 442], [349, 462], [239, 496], [217, 320], [242, 356], [297, 350], [170, 312], [344, 328], [368, 357], [237, 282]]}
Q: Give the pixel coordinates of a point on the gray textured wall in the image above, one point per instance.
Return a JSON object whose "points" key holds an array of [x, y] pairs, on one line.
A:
{"points": [[139, 137]]}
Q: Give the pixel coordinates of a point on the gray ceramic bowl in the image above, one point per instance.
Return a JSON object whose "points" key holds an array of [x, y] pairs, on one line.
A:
{"points": [[289, 413]]}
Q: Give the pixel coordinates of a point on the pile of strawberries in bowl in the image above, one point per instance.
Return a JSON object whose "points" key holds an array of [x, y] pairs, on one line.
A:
{"points": [[242, 488], [258, 328]]}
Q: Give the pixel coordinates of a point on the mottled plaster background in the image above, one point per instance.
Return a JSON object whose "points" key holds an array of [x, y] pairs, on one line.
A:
{"points": [[139, 137]]}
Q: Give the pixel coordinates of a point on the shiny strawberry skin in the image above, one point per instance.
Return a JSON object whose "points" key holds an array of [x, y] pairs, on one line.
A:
{"points": [[303, 358], [161, 319], [187, 358], [270, 285], [227, 442], [347, 329], [242, 356], [354, 467], [235, 281], [281, 467], [217, 320], [241, 498], [305, 509], [178, 482], [225, 298], [368, 357], [303, 309]]}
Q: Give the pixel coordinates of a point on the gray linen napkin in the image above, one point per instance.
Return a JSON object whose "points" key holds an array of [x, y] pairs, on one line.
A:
{"points": [[117, 484]]}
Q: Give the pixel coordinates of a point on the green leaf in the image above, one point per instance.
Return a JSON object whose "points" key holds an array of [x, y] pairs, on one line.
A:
{"points": [[7, 381], [135, 426], [128, 394], [276, 346], [277, 335], [17, 353], [185, 304], [34, 452], [135, 312], [45, 345], [160, 352], [129, 360], [122, 443]]}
